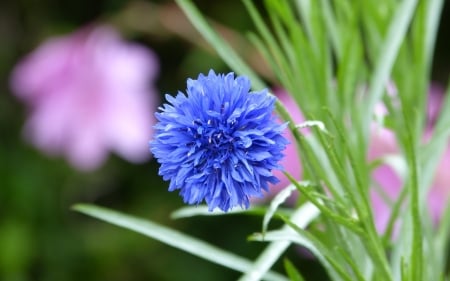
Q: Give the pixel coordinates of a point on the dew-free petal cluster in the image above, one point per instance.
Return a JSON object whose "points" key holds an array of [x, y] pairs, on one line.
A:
{"points": [[219, 142], [88, 93], [291, 162]]}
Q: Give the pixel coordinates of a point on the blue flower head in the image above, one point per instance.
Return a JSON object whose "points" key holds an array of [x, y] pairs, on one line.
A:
{"points": [[220, 142]]}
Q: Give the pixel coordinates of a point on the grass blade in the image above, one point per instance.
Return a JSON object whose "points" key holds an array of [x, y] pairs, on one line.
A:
{"points": [[396, 33], [294, 275], [224, 50], [174, 238], [302, 217]]}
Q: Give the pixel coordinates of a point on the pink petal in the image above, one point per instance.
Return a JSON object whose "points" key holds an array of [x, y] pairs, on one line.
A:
{"points": [[89, 93]]}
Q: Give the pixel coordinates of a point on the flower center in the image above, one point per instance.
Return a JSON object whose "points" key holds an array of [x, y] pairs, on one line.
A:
{"points": [[217, 138], [214, 140]]}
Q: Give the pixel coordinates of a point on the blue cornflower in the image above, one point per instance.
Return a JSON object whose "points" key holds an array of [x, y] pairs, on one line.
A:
{"points": [[220, 142]]}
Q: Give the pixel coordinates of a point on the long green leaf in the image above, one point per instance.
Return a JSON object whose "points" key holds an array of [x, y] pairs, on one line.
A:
{"points": [[433, 17], [396, 33], [434, 149], [334, 32], [302, 217], [202, 210], [320, 251], [294, 275], [224, 50], [279, 199], [441, 243], [175, 239]]}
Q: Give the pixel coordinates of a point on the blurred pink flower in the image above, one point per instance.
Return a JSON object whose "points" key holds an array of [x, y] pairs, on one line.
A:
{"points": [[291, 162], [89, 93], [383, 143]]}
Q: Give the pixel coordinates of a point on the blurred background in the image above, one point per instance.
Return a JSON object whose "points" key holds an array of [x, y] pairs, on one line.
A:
{"points": [[41, 178]]}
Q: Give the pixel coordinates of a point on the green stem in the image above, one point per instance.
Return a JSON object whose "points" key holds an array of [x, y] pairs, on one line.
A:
{"points": [[301, 217], [417, 245]]}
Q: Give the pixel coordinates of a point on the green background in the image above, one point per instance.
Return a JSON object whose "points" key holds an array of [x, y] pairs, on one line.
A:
{"points": [[40, 237]]}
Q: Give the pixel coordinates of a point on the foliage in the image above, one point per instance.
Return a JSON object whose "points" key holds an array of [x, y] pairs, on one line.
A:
{"points": [[340, 62]]}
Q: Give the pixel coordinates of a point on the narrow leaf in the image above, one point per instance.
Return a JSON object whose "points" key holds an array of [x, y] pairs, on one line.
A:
{"points": [[173, 238], [320, 251], [302, 217], [193, 211], [396, 33], [224, 50], [279, 199], [292, 272]]}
